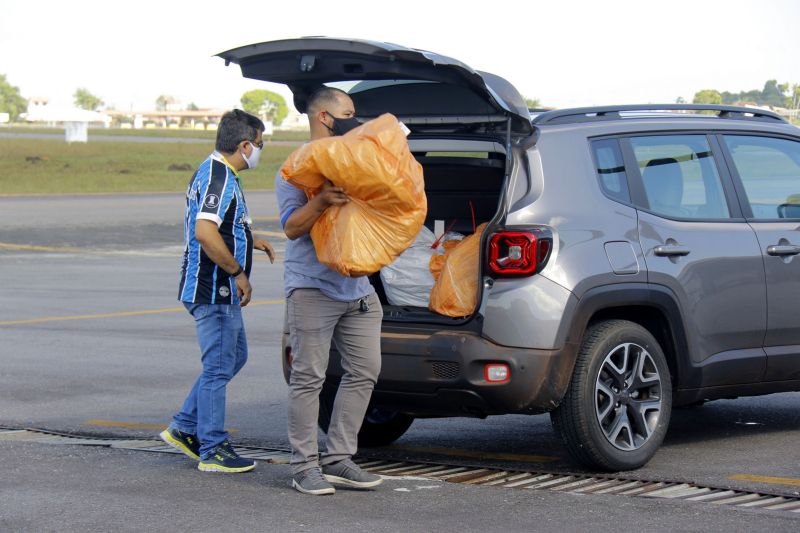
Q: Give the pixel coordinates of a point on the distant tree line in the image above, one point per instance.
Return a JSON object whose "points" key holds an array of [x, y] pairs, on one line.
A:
{"points": [[10, 100], [265, 104], [86, 100], [533, 103], [773, 94]]}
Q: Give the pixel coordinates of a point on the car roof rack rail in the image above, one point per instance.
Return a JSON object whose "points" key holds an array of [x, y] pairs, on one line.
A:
{"points": [[591, 114]]}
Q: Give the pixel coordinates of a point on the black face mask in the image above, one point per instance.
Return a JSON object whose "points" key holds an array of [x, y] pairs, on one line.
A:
{"points": [[343, 125]]}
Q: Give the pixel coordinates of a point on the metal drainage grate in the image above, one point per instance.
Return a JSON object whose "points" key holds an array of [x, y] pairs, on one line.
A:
{"points": [[143, 445], [468, 475], [445, 369], [580, 484]]}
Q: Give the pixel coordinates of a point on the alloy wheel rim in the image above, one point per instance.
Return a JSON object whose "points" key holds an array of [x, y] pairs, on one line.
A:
{"points": [[628, 399]]}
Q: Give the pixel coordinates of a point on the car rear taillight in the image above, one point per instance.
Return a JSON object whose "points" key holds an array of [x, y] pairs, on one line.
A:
{"points": [[517, 253]]}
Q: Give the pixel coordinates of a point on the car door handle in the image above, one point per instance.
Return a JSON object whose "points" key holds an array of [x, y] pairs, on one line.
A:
{"points": [[783, 249], [670, 250]]}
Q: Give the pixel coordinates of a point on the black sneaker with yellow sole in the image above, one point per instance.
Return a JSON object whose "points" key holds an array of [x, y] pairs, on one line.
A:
{"points": [[183, 442], [225, 459]]}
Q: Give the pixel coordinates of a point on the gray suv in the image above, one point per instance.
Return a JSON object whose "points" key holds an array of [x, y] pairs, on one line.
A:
{"points": [[637, 258]]}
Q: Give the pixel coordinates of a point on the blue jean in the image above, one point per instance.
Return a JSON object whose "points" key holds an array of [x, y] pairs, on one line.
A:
{"points": [[223, 349]]}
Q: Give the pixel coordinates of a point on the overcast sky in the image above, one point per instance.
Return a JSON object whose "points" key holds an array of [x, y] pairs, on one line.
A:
{"points": [[565, 53]]}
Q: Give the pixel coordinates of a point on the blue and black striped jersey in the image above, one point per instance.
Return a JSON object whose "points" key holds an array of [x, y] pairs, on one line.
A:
{"points": [[214, 194]]}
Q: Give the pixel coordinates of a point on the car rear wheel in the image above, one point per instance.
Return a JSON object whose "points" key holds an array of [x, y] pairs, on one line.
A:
{"points": [[615, 413], [380, 427]]}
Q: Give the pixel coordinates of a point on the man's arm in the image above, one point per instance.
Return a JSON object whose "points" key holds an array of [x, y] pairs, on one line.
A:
{"points": [[303, 218], [207, 234]]}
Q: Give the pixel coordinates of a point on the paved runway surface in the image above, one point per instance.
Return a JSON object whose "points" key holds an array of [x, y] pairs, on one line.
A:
{"points": [[93, 340]]}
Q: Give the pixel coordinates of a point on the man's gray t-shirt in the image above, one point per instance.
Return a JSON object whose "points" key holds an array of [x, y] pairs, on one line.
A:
{"points": [[302, 269]]}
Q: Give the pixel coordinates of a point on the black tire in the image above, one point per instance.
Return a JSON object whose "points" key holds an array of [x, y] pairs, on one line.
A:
{"points": [[380, 427], [610, 419], [694, 405]]}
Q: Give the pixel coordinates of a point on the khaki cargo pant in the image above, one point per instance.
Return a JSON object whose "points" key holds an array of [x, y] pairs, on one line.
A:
{"points": [[314, 321]]}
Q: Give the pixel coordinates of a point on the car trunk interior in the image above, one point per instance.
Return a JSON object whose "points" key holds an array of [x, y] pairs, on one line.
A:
{"points": [[463, 191]]}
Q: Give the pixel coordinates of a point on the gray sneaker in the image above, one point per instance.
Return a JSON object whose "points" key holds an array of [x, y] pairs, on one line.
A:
{"points": [[347, 472], [312, 482]]}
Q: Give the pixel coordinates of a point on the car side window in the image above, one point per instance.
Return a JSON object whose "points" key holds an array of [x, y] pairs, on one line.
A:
{"points": [[770, 171], [611, 169], [679, 176]]}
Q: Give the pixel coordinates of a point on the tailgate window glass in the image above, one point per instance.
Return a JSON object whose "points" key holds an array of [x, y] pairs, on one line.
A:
{"points": [[611, 169], [679, 176], [770, 172]]}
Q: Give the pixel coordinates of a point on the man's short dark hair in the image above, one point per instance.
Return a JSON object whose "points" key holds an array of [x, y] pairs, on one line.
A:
{"points": [[237, 126], [322, 99]]}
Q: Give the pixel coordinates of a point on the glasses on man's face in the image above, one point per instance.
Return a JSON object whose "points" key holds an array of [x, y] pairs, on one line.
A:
{"points": [[259, 144]]}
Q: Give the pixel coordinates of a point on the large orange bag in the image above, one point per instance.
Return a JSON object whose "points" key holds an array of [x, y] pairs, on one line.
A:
{"points": [[436, 262], [455, 292], [387, 207]]}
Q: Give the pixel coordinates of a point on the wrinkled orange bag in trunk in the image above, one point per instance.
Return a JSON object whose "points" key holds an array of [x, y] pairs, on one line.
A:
{"points": [[387, 207], [437, 261], [455, 292]]}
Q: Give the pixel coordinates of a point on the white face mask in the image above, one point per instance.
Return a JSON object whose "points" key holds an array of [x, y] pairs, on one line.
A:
{"points": [[255, 155]]}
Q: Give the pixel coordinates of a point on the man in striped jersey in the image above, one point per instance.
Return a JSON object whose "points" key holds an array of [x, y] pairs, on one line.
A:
{"points": [[217, 257]]}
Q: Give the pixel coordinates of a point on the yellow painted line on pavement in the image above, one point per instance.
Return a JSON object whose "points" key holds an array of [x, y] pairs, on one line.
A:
{"points": [[34, 248], [478, 455], [126, 425], [771, 480], [76, 250], [119, 314], [83, 251], [263, 258], [279, 234], [131, 425], [116, 253]]}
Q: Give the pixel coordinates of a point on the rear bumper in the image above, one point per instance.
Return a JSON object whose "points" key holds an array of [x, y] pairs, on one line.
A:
{"points": [[442, 374]]}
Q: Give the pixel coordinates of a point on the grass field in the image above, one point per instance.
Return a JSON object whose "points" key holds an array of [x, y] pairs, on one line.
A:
{"points": [[50, 166], [280, 135]]}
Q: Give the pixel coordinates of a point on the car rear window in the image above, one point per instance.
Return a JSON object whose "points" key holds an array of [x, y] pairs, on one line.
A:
{"points": [[611, 169]]}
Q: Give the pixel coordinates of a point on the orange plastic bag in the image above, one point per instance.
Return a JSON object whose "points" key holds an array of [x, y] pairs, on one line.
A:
{"points": [[387, 207], [455, 292], [437, 261]]}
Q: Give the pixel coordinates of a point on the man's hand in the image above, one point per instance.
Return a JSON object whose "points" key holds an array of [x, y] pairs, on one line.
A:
{"points": [[243, 289], [265, 247], [302, 220], [330, 195]]}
